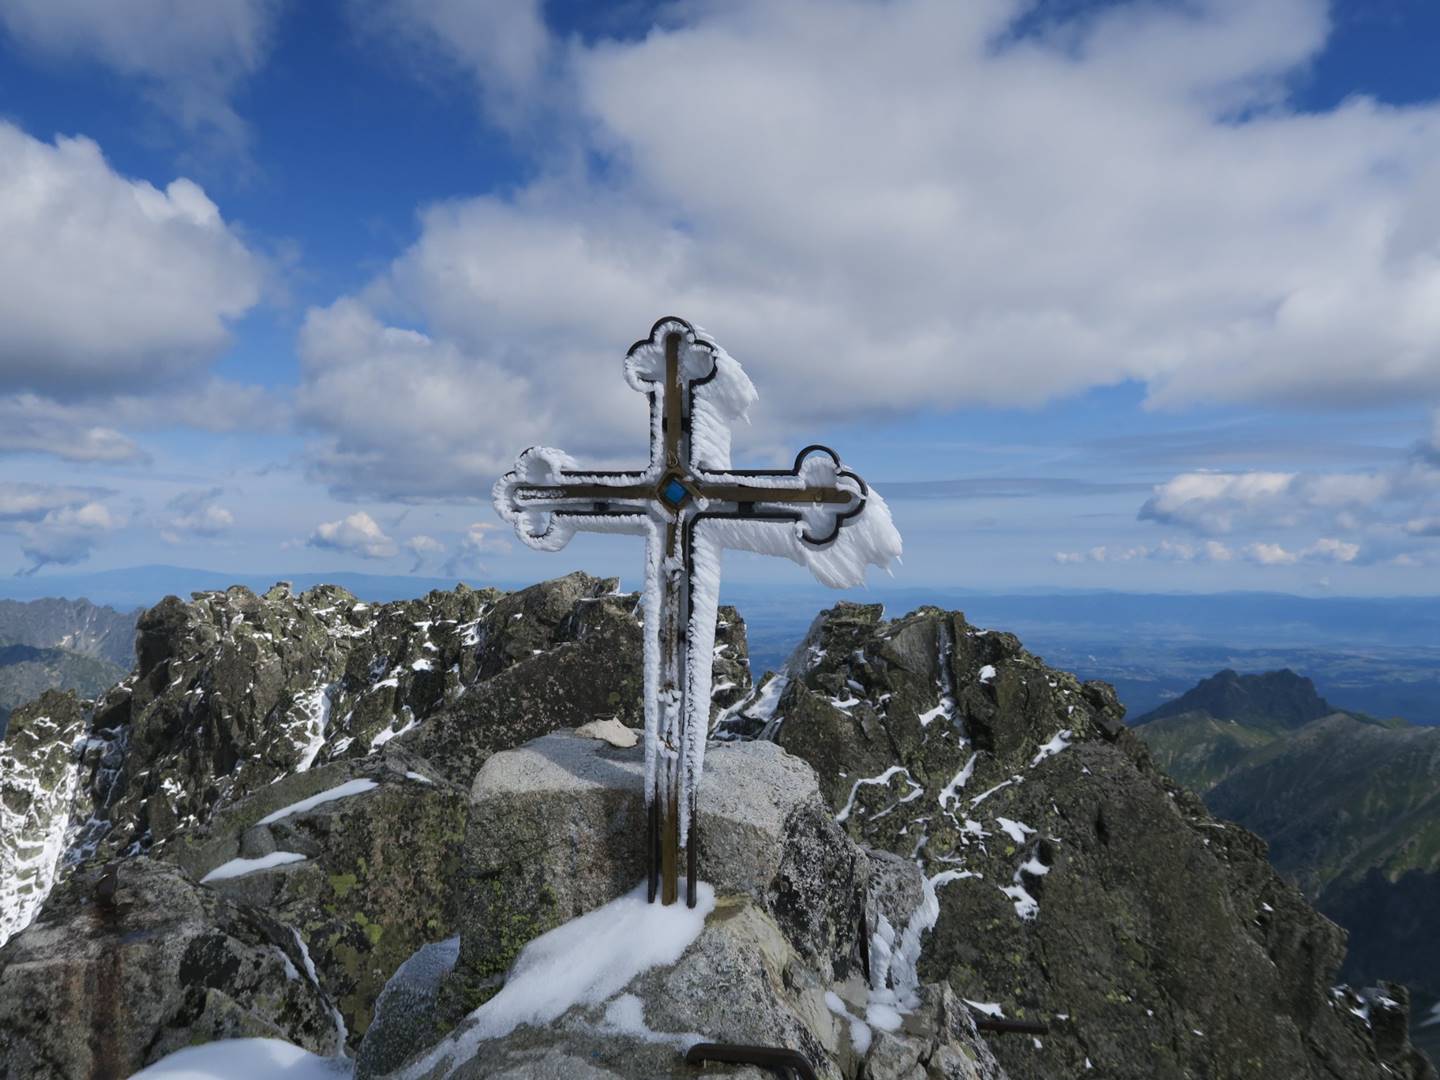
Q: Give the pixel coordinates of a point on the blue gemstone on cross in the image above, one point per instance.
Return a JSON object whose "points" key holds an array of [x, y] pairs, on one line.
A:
{"points": [[674, 492]]}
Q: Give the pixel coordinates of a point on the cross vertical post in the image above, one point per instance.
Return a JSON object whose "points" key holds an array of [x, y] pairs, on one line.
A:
{"points": [[689, 503]]}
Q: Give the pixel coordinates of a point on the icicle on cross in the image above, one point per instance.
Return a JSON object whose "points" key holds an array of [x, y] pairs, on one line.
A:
{"points": [[689, 504]]}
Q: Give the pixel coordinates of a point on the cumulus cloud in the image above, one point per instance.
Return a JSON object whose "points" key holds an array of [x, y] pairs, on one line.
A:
{"points": [[56, 523], [1209, 502], [423, 548], [1323, 550], [196, 514], [502, 44], [109, 284], [26, 501], [1216, 503], [401, 416], [479, 540], [1165, 551], [1328, 549], [64, 536], [357, 534], [33, 424], [190, 57], [879, 207], [1263, 553]]}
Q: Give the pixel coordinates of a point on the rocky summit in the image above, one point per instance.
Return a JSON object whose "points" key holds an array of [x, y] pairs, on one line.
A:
{"points": [[1078, 886], [1349, 807], [372, 831]]}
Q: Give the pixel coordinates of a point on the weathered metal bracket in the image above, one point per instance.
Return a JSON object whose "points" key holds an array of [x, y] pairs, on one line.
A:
{"points": [[1011, 1027], [783, 1062]]}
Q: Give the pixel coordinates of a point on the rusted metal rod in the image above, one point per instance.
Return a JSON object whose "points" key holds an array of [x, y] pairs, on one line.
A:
{"points": [[1011, 1027], [776, 1058]]}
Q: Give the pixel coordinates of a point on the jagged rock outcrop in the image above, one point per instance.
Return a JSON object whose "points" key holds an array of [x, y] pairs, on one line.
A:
{"points": [[763, 833], [60, 645], [37, 787], [1077, 884], [556, 830], [1348, 806], [77, 626], [240, 705], [131, 962], [370, 878], [234, 690]]}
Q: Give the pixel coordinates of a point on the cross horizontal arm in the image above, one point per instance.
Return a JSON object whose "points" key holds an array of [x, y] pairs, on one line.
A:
{"points": [[744, 493], [537, 493]]}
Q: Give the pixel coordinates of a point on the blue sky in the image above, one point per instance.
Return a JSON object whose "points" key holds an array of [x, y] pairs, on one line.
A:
{"points": [[1136, 295]]}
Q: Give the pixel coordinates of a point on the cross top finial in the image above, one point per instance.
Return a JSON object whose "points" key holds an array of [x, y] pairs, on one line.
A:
{"points": [[689, 504]]}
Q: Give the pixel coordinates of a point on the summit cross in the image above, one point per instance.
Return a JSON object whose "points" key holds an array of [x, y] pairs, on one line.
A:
{"points": [[689, 504]]}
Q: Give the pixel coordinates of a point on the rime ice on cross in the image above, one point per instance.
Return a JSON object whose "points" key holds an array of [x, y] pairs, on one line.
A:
{"points": [[689, 504]]}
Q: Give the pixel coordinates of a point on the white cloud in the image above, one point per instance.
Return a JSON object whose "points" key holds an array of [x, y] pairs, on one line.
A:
{"points": [[1220, 502], [33, 424], [404, 417], [196, 514], [878, 208], [423, 548], [26, 501], [357, 534], [190, 56], [1164, 551], [64, 536], [86, 430], [1323, 550], [480, 539], [109, 284], [1328, 549], [1270, 554], [1209, 502], [502, 44], [1429, 526]]}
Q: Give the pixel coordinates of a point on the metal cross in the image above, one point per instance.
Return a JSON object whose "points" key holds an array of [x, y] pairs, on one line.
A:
{"points": [[547, 500]]}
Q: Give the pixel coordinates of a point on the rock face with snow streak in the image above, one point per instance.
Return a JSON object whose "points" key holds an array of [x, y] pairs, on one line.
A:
{"points": [[127, 966], [37, 786], [743, 979], [556, 829], [1077, 885], [233, 690], [241, 704], [373, 875]]}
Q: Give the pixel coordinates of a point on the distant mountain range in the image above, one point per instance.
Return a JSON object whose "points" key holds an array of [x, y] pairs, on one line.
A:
{"points": [[1349, 805], [1377, 654], [65, 644]]}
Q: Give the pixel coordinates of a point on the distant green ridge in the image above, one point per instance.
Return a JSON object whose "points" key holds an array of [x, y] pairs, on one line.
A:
{"points": [[1276, 700], [1350, 806]]}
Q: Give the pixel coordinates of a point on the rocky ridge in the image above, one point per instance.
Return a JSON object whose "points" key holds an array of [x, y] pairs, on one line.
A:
{"points": [[1349, 807], [1078, 885], [64, 644], [76, 626], [242, 707], [37, 784], [313, 766], [783, 960]]}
